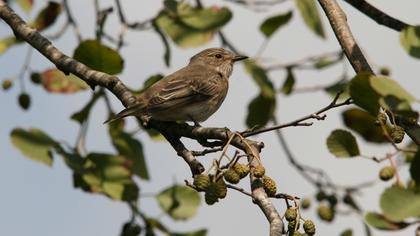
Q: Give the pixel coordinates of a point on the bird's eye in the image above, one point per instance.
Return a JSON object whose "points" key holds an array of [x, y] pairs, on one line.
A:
{"points": [[218, 56]]}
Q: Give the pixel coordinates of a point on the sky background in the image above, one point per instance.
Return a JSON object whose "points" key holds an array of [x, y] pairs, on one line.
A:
{"points": [[38, 200]]}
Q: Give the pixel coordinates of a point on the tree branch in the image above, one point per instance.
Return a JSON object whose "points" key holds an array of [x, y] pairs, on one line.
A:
{"points": [[377, 15], [338, 21], [299, 122], [172, 131]]}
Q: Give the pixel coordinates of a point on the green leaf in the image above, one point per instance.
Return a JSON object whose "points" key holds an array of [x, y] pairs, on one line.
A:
{"points": [[310, 14], [130, 148], [342, 143], [379, 221], [209, 18], [191, 27], [107, 174], [34, 144], [289, 83], [399, 204], [415, 168], [325, 62], [364, 124], [47, 16], [363, 94], [272, 24], [386, 86], [180, 202], [260, 77], [347, 232], [260, 111], [181, 35], [55, 81], [341, 86], [99, 57], [410, 40]]}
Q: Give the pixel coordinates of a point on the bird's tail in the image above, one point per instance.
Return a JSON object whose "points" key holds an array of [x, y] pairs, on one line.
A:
{"points": [[129, 111]]}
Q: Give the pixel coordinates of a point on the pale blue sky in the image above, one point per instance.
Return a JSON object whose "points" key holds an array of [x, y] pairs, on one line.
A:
{"points": [[37, 200]]}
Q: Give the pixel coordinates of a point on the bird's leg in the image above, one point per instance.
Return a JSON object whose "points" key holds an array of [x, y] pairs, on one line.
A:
{"points": [[196, 124]]}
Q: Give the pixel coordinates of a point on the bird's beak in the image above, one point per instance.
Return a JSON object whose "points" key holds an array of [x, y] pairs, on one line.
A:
{"points": [[239, 58]]}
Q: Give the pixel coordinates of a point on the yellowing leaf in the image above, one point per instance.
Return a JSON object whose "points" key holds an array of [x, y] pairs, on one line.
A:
{"points": [[26, 5], [55, 81]]}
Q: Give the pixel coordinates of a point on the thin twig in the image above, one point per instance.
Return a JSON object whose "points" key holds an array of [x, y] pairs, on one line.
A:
{"points": [[299, 122]]}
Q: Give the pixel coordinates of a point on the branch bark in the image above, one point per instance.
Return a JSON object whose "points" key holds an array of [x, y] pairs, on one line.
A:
{"points": [[377, 15], [172, 131], [338, 21]]}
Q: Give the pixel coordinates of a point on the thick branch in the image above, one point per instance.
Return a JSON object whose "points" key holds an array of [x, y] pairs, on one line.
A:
{"points": [[377, 15], [338, 21]]}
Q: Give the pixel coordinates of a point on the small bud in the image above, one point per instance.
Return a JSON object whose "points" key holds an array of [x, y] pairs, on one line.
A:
{"points": [[326, 213], [211, 194], [397, 134], [387, 173], [269, 186], [384, 71], [221, 188], [201, 182], [131, 229], [241, 169], [7, 84], [321, 196], [231, 176], [36, 78], [332, 199], [293, 226], [259, 171], [309, 227], [291, 214], [24, 101], [306, 203]]}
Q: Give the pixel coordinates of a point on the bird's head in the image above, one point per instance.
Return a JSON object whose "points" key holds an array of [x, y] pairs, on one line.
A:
{"points": [[218, 58]]}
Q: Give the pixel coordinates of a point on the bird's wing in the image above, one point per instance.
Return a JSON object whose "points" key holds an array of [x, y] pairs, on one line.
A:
{"points": [[178, 91]]}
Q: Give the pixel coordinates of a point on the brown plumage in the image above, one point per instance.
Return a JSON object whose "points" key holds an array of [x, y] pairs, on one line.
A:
{"points": [[192, 93]]}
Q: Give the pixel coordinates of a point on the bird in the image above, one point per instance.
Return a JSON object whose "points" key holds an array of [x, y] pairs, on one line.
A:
{"points": [[193, 93]]}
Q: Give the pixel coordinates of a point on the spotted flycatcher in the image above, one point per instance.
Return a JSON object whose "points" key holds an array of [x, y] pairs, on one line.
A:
{"points": [[192, 93]]}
